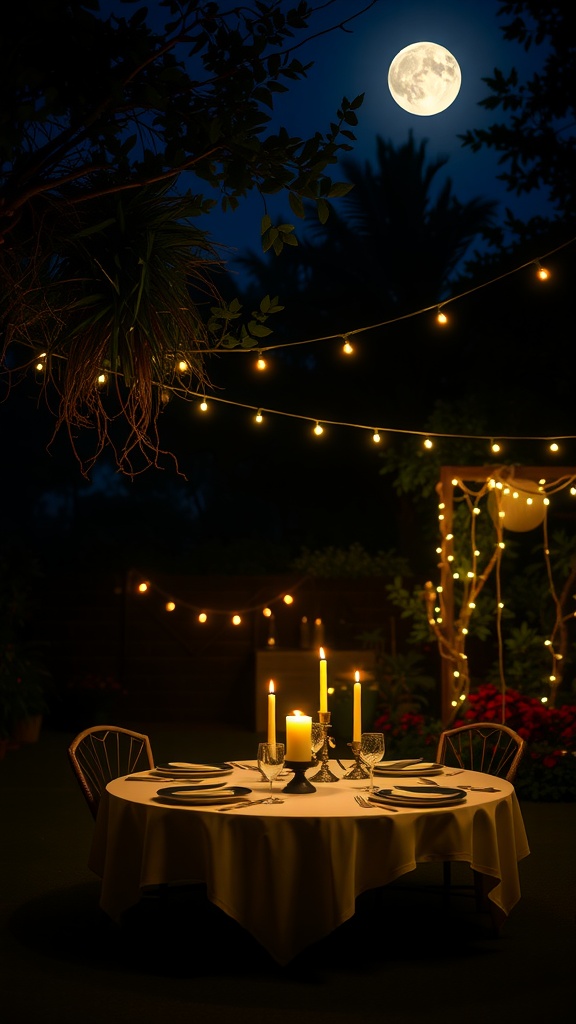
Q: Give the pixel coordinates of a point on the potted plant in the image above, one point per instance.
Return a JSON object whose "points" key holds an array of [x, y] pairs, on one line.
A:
{"points": [[22, 702], [23, 677]]}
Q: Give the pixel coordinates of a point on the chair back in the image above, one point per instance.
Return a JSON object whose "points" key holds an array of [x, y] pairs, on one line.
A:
{"points": [[482, 747], [106, 752]]}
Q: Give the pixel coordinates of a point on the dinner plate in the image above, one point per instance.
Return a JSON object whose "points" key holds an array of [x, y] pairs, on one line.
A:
{"points": [[188, 769], [199, 796], [421, 769], [420, 796]]}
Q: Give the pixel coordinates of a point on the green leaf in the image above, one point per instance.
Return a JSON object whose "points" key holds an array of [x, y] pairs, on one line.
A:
{"points": [[296, 205]]}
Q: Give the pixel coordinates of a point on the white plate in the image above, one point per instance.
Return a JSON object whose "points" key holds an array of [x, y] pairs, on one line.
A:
{"points": [[439, 796], [188, 770], [421, 769], [200, 797]]}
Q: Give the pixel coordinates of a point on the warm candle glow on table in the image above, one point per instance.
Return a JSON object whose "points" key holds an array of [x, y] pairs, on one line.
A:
{"points": [[357, 724], [298, 737], [271, 713], [323, 681]]}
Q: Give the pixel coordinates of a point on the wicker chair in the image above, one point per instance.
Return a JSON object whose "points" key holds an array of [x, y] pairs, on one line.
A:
{"points": [[106, 752], [483, 747]]}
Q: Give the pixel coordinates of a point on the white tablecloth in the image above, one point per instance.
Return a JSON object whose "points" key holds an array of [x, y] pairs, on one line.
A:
{"points": [[290, 873]]}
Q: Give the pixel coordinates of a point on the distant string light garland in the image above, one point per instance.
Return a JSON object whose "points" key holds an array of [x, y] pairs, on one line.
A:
{"points": [[141, 584]]}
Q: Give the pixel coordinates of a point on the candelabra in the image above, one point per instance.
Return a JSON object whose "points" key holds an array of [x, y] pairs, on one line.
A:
{"points": [[358, 771], [325, 774]]}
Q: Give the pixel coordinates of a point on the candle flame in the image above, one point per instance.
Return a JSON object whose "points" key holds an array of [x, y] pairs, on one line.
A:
{"points": [[298, 714], [322, 655], [357, 676], [271, 686]]}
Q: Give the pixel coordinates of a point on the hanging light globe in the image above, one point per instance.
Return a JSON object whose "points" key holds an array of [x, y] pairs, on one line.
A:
{"points": [[519, 506]]}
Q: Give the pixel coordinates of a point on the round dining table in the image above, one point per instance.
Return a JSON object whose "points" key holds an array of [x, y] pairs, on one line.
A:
{"points": [[290, 872]]}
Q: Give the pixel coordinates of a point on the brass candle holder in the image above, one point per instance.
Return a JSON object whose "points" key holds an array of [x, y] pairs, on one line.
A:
{"points": [[358, 771], [325, 774]]}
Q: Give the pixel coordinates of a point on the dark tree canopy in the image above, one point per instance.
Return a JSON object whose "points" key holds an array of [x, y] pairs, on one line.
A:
{"points": [[117, 137], [536, 138]]}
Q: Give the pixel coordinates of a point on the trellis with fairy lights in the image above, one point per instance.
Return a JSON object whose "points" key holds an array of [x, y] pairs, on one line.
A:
{"points": [[514, 499]]}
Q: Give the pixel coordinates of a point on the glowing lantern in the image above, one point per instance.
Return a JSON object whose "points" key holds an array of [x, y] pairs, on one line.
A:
{"points": [[520, 506]]}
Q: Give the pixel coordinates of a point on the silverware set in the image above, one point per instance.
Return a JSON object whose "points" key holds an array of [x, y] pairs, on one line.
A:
{"points": [[239, 804], [375, 806], [473, 789]]}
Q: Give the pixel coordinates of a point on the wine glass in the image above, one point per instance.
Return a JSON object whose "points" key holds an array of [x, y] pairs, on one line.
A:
{"points": [[371, 751], [271, 762], [317, 737]]}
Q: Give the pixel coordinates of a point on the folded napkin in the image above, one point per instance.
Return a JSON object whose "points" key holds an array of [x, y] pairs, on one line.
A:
{"points": [[399, 764], [188, 766], [205, 792]]}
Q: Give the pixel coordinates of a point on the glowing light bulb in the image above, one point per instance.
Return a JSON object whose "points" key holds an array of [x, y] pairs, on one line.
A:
{"points": [[541, 273], [203, 405], [318, 430], [347, 348], [266, 612], [182, 366], [554, 447], [428, 443], [259, 417], [376, 437], [202, 617], [495, 447], [288, 599], [236, 620], [170, 606], [143, 587], [260, 363], [441, 317]]}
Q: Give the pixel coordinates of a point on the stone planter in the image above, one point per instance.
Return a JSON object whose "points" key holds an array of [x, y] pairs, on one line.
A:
{"points": [[27, 730]]}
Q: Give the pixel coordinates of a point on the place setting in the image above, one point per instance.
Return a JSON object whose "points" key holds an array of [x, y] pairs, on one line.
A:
{"points": [[407, 768], [418, 796], [184, 771], [202, 796]]}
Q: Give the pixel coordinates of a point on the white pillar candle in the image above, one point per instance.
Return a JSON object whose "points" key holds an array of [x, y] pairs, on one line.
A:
{"points": [[323, 681], [357, 723], [298, 737], [271, 713]]}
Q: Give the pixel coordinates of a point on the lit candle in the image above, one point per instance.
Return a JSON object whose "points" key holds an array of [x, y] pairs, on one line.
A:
{"points": [[357, 724], [271, 713], [323, 681], [298, 737]]}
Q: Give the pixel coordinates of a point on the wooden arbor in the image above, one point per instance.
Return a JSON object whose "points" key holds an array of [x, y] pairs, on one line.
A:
{"points": [[449, 628]]}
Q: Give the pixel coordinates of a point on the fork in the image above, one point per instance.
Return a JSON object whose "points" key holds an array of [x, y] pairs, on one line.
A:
{"points": [[362, 802]]}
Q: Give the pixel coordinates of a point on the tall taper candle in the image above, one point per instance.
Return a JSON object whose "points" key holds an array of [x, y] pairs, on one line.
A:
{"points": [[323, 681], [357, 723], [271, 713]]}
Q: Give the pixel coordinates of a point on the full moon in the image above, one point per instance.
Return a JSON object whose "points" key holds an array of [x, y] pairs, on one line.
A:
{"points": [[424, 78]]}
